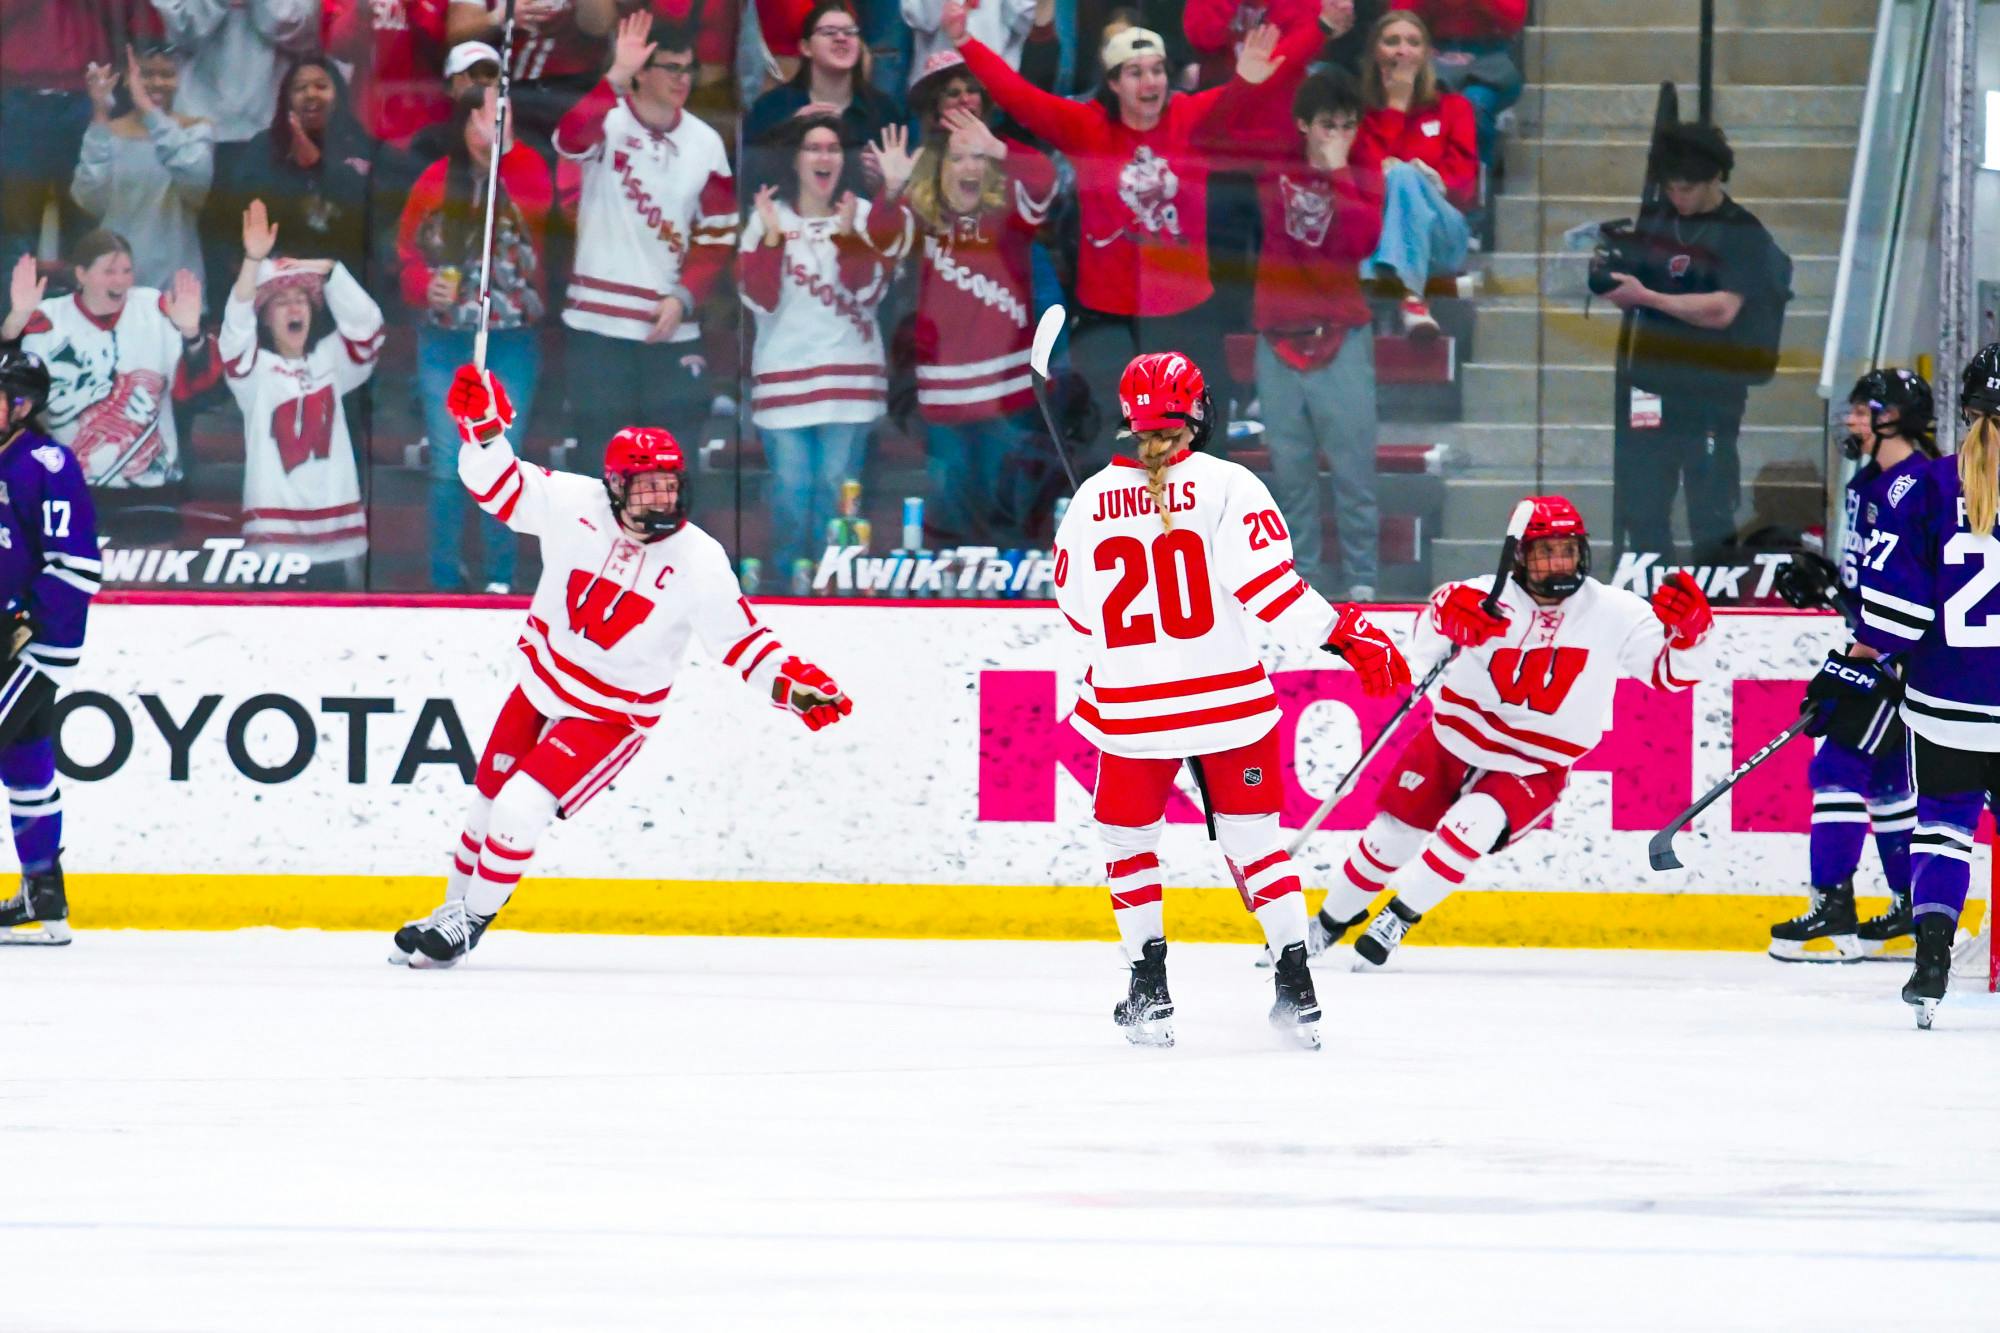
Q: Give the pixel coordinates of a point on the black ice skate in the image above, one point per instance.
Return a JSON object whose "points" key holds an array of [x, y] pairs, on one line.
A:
{"points": [[1322, 933], [440, 939], [1829, 917], [1147, 1013], [39, 913], [1877, 933], [1296, 1014], [1926, 986], [1385, 932]]}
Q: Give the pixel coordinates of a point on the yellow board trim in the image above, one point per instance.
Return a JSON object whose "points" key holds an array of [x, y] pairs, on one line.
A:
{"points": [[907, 911]]}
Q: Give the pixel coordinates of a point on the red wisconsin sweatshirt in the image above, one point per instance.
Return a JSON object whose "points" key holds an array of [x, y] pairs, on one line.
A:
{"points": [[1442, 134]]}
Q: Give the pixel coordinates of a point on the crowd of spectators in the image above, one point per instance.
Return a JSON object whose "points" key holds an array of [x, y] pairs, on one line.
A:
{"points": [[247, 237]]}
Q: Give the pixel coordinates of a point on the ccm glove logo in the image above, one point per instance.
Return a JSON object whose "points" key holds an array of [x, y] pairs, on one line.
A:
{"points": [[1858, 677]]}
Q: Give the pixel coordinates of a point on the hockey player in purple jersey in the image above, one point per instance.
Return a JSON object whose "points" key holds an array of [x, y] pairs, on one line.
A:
{"points": [[1860, 777], [1930, 608], [49, 571]]}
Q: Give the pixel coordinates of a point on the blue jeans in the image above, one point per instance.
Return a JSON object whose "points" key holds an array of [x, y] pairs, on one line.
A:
{"points": [[977, 485], [1422, 233], [515, 358], [808, 463]]}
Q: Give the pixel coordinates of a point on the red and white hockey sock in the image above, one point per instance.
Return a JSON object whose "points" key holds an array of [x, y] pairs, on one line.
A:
{"points": [[1265, 875], [1136, 887], [1384, 846], [465, 855], [1471, 827], [522, 810]]}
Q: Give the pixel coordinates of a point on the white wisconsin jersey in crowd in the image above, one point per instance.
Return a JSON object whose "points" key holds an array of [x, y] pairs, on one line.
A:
{"points": [[1539, 696], [301, 489], [657, 207], [1173, 668], [610, 621]]}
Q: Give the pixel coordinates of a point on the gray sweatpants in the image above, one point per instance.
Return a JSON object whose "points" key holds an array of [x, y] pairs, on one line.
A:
{"points": [[1330, 408]]}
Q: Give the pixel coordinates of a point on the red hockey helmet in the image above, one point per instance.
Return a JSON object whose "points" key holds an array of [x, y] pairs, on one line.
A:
{"points": [[1163, 391], [632, 453], [1543, 574]]}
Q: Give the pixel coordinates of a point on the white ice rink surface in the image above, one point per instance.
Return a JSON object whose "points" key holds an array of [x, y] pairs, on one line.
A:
{"points": [[274, 1130]]}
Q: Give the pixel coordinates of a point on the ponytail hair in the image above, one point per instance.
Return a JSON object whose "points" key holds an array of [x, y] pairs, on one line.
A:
{"points": [[1979, 473], [1155, 448]]}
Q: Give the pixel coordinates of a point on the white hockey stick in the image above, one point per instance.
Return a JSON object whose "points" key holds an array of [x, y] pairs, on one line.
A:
{"points": [[1517, 523], [1046, 333], [493, 191]]}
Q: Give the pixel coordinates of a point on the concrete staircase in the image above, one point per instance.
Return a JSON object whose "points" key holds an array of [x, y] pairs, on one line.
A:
{"points": [[1790, 77]]}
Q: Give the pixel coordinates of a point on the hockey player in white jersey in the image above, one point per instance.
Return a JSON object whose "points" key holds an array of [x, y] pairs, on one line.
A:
{"points": [[626, 581], [1529, 695], [1165, 560]]}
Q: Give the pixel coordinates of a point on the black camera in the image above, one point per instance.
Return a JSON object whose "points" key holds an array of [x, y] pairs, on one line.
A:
{"points": [[1619, 249]]}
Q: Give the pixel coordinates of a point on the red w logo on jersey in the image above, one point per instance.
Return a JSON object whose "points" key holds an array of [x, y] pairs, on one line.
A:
{"points": [[602, 611], [303, 433], [1540, 678]]}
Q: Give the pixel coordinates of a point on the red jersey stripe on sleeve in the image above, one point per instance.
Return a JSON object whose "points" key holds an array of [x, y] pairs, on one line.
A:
{"points": [[1282, 604], [1262, 581]]}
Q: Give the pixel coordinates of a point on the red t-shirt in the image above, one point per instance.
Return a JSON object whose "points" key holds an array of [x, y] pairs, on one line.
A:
{"points": [[1319, 226], [1442, 134], [1216, 29], [46, 43], [397, 50], [1469, 20], [1142, 197]]}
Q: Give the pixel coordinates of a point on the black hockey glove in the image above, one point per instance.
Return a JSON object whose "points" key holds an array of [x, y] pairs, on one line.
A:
{"points": [[1808, 582], [1852, 701]]}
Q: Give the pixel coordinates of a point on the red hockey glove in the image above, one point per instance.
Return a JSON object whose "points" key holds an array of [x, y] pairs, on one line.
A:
{"points": [[804, 689], [1369, 651], [1459, 613], [1683, 609], [478, 403]]}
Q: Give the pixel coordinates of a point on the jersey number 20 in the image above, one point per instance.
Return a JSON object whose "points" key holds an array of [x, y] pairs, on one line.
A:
{"points": [[1176, 563]]}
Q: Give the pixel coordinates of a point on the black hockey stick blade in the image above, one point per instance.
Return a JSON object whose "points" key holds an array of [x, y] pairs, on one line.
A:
{"points": [[1053, 321], [1660, 851]]}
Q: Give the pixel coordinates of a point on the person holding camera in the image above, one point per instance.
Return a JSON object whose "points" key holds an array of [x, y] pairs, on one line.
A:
{"points": [[1708, 286]]}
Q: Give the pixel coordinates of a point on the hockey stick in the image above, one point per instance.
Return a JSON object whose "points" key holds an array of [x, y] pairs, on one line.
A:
{"points": [[1046, 333], [1517, 523], [1660, 851], [500, 110]]}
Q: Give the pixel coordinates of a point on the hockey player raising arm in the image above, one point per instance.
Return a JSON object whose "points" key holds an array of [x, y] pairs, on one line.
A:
{"points": [[1165, 559], [626, 581], [1929, 607], [49, 571], [1529, 694]]}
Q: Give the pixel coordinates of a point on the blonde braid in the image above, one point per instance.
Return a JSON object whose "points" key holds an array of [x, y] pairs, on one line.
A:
{"points": [[1155, 448], [1979, 474]]}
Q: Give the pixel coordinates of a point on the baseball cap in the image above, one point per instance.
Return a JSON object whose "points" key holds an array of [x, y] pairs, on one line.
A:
{"points": [[467, 54], [1130, 43]]}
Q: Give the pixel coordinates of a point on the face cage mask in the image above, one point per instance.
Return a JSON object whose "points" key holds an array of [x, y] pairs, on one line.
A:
{"points": [[654, 523], [1561, 586]]}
